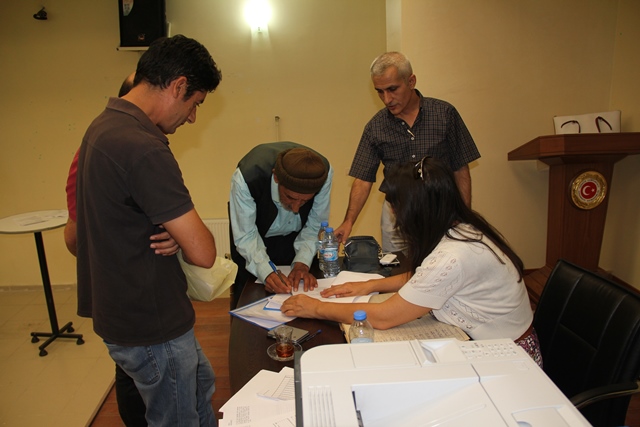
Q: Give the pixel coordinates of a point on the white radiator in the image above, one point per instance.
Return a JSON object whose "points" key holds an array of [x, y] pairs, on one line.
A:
{"points": [[219, 227]]}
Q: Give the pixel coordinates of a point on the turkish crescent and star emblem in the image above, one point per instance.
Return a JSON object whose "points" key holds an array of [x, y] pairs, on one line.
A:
{"points": [[588, 190]]}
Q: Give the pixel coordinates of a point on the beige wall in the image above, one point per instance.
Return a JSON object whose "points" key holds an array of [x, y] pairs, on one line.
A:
{"points": [[311, 71], [621, 246], [507, 66]]}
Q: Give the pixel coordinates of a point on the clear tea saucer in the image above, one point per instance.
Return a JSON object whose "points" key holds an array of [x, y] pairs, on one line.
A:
{"points": [[271, 351]]}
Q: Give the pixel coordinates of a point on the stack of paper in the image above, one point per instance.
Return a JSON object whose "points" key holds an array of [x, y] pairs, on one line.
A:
{"points": [[268, 399]]}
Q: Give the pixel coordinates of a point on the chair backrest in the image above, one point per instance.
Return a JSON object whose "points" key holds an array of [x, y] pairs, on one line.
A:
{"points": [[589, 332]]}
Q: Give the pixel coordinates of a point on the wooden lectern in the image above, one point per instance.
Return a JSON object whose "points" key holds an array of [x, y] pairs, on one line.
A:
{"points": [[580, 172]]}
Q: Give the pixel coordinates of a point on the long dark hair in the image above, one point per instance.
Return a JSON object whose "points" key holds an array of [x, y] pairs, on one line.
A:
{"points": [[427, 204]]}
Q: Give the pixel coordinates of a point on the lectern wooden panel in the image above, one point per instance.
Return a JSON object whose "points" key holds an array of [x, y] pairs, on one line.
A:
{"points": [[580, 174]]}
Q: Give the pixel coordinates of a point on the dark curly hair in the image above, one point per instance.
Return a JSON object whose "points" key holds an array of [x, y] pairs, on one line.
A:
{"points": [[171, 57]]}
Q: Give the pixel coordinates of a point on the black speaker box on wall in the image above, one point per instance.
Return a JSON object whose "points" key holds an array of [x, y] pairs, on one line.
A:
{"points": [[141, 22]]}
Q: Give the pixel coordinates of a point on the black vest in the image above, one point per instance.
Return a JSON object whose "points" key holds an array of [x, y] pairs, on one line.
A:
{"points": [[256, 168]]}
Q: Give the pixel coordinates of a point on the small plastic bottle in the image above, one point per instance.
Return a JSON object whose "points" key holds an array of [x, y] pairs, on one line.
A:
{"points": [[323, 225], [361, 330], [330, 253]]}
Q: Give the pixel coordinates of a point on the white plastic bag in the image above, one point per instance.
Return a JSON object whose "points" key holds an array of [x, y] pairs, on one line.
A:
{"points": [[604, 122], [205, 284]]}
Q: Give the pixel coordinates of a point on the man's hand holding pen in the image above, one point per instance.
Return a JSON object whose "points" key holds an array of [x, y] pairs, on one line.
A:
{"points": [[276, 282]]}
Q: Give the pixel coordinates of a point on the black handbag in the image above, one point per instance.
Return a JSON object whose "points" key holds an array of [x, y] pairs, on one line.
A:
{"points": [[362, 254]]}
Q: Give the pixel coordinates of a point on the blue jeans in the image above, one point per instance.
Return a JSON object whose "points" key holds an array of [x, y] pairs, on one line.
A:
{"points": [[175, 379]]}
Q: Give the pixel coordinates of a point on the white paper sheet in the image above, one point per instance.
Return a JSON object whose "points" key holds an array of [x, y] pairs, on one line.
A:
{"points": [[343, 277], [247, 408]]}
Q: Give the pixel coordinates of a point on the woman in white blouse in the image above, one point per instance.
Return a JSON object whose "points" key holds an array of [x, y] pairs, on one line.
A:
{"points": [[462, 269]]}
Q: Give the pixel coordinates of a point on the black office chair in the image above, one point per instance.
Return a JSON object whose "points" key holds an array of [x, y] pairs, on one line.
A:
{"points": [[589, 332]]}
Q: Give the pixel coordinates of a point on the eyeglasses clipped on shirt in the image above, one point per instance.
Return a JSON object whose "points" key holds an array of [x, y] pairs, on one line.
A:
{"points": [[417, 169]]}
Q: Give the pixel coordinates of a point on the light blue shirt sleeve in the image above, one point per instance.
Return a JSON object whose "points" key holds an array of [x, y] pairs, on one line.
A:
{"points": [[242, 210]]}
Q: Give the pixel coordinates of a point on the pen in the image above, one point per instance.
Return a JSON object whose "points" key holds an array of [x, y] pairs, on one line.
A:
{"points": [[308, 337], [275, 270]]}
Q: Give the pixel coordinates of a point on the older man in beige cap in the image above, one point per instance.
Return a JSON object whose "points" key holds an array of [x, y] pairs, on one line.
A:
{"points": [[279, 196]]}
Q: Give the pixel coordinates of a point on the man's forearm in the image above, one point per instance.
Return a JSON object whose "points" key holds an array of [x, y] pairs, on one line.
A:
{"points": [[195, 239], [357, 198], [463, 180]]}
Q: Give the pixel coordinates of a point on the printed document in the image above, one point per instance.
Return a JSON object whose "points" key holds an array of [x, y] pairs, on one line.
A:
{"points": [[266, 400], [343, 277]]}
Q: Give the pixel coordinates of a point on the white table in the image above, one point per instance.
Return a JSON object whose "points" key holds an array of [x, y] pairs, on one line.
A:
{"points": [[37, 222]]}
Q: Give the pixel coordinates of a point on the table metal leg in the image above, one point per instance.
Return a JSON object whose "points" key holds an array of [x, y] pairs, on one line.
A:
{"points": [[53, 319]]}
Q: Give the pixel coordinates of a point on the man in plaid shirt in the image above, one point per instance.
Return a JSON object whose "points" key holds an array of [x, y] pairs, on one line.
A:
{"points": [[409, 128]]}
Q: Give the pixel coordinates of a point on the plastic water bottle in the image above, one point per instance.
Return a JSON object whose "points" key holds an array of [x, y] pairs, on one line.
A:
{"points": [[323, 225], [361, 330], [330, 253]]}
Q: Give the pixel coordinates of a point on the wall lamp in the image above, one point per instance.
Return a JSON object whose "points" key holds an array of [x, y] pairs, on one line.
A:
{"points": [[257, 13]]}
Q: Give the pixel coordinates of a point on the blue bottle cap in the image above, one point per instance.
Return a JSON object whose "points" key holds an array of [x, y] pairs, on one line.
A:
{"points": [[360, 315], [329, 229]]}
